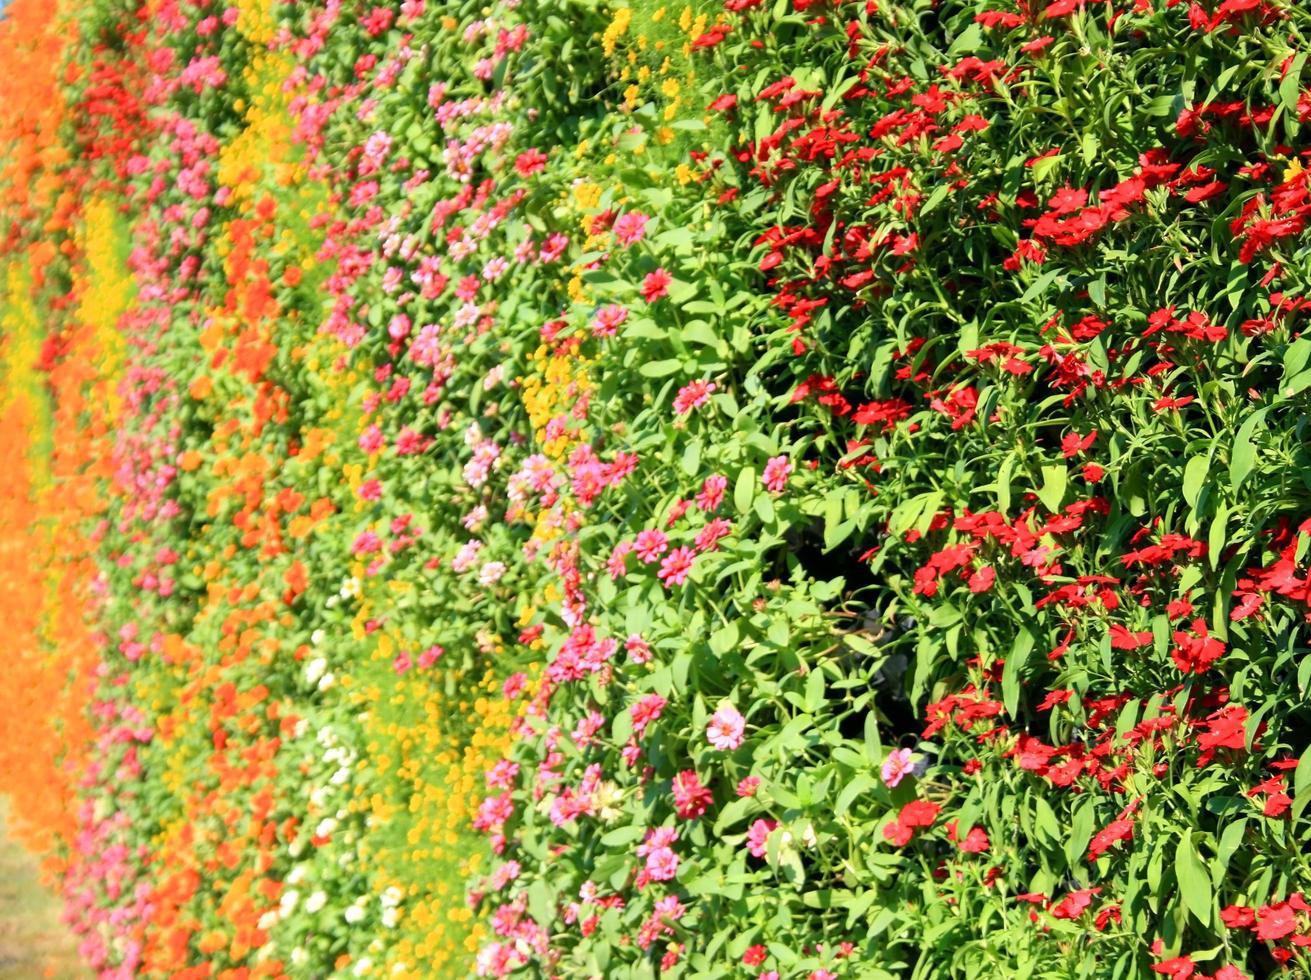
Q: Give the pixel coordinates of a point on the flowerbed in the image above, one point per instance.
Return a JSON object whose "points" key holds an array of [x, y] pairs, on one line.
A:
{"points": [[765, 489]]}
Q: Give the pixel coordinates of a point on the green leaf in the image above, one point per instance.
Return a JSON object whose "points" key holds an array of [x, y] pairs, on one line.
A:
{"points": [[744, 491], [1242, 456], [1010, 675], [1215, 540], [1302, 784], [1291, 86], [659, 369], [1054, 479], [1194, 882], [1194, 477]]}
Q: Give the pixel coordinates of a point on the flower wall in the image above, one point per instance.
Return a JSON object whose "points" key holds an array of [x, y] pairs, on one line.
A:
{"points": [[760, 488]]}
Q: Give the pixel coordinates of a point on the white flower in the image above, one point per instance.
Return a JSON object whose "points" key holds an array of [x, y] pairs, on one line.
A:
{"points": [[391, 897], [325, 828], [316, 902], [354, 914], [297, 875], [288, 902], [362, 966], [390, 917], [327, 681], [314, 670], [299, 957], [317, 637]]}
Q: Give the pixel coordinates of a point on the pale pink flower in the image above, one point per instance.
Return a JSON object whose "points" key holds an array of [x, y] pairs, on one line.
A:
{"points": [[896, 766], [726, 728]]}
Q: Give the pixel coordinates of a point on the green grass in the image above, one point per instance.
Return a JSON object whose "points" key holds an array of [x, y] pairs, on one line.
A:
{"points": [[33, 942]]}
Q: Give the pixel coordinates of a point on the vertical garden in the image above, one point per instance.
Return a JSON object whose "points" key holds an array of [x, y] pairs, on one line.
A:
{"points": [[779, 489]]}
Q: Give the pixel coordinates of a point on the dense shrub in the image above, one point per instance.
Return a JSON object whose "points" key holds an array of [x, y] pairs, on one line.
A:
{"points": [[794, 489]]}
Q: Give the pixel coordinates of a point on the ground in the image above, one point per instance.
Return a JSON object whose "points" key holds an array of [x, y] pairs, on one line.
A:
{"points": [[33, 942]]}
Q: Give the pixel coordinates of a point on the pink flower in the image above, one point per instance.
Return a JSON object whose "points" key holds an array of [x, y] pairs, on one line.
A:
{"points": [[748, 786], [693, 395], [690, 797], [674, 569], [646, 711], [650, 545], [661, 864], [896, 765], [656, 285], [630, 228], [639, 651], [776, 474], [708, 538], [608, 319], [758, 836], [712, 493], [530, 162], [726, 728], [616, 564]]}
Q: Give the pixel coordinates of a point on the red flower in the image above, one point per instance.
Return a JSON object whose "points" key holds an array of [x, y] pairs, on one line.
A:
{"points": [[656, 285], [915, 814], [1105, 839], [1275, 922], [1238, 916], [690, 797], [981, 581], [1074, 904], [1180, 968], [1196, 653], [530, 162]]}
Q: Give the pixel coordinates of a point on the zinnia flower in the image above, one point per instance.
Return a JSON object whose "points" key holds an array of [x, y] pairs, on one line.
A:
{"points": [[726, 728]]}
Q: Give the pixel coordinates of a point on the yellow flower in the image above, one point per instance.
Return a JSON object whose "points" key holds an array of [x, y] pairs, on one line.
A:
{"points": [[618, 25]]}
